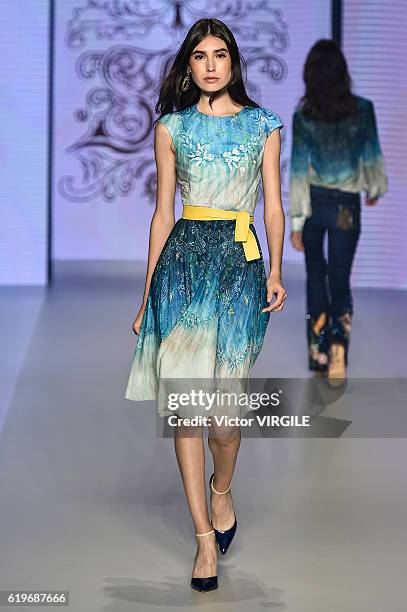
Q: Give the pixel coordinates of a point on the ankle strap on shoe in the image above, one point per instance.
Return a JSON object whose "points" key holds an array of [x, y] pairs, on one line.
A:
{"points": [[204, 534], [219, 492]]}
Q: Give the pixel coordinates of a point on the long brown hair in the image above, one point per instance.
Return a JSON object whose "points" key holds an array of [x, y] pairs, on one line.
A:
{"points": [[328, 95], [172, 98]]}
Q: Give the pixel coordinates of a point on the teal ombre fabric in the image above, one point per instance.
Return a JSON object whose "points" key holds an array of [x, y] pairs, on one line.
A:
{"points": [[219, 158], [343, 155], [203, 316]]}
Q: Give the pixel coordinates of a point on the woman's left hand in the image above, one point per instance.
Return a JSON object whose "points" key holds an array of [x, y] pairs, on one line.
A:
{"points": [[274, 287], [296, 240]]}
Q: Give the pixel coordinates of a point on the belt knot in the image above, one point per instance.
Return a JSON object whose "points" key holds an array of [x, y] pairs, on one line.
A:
{"points": [[243, 233]]}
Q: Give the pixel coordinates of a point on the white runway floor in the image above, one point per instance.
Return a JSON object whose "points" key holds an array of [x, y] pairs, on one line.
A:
{"points": [[91, 498]]}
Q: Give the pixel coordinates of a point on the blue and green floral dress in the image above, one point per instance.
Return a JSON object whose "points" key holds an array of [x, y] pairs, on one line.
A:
{"points": [[203, 314]]}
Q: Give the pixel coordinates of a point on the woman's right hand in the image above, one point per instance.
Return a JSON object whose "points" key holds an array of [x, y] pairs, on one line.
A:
{"points": [[371, 202], [296, 240], [137, 321]]}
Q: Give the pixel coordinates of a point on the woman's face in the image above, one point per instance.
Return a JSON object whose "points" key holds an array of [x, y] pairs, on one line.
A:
{"points": [[211, 64]]}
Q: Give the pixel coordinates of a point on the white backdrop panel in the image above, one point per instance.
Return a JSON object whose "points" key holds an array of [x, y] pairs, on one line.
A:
{"points": [[23, 143], [374, 41]]}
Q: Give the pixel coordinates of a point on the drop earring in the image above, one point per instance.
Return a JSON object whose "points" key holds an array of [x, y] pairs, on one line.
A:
{"points": [[186, 80]]}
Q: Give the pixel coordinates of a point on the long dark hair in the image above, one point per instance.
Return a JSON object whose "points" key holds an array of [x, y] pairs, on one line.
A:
{"points": [[171, 96], [328, 95]]}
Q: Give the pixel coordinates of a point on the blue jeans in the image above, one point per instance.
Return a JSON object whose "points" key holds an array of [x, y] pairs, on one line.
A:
{"points": [[329, 298]]}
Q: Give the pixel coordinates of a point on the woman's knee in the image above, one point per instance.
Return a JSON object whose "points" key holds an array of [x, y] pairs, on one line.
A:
{"points": [[186, 431], [224, 435]]}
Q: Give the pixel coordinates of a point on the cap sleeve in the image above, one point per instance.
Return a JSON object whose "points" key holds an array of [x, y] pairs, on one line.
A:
{"points": [[271, 121], [170, 120]]}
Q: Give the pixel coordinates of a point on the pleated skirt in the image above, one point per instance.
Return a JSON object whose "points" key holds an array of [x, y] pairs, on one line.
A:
{"points": [[203, 316]]}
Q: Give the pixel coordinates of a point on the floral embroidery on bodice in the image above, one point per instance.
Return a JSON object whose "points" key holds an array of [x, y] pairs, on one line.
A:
{"points": [[218, 158]]}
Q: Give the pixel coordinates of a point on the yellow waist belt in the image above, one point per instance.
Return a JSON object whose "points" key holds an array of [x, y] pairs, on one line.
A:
{"points": [[243, 233]]}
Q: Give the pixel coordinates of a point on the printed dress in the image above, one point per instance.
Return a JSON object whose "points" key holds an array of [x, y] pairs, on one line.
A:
{"points": [[203, 314]]}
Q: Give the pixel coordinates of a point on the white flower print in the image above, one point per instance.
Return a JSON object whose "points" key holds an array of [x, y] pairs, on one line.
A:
{"points": [[233, 157], [201, 155], [236, 357]]}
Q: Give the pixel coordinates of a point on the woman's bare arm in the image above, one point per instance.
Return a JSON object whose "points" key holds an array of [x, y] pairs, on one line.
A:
{"points": [[274, 218], [163, 218]]}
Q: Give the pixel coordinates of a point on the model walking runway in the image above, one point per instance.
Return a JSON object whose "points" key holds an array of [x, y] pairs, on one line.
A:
{"points": [[204, 316]]}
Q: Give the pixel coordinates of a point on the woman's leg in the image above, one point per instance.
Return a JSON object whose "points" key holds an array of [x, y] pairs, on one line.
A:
{"points": [[343, 238], [224, 443], [318, 307], [190, 455]]}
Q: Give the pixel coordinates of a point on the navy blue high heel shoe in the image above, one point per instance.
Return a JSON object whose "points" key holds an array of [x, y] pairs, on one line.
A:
{"points": [[223, 538], [203, 585]]}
